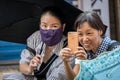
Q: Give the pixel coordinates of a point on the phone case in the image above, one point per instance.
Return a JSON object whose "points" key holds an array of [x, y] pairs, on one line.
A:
{"points": [[73, 41]]}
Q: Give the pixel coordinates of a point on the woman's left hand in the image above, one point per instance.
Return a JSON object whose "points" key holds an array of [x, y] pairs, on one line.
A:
{"points": [[81, 54]]}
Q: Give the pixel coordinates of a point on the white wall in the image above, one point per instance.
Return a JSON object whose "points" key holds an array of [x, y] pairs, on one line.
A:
{"points": [[100, 6]]}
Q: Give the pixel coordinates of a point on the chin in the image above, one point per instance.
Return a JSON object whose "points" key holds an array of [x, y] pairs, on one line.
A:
{"points": [[86, 48]]}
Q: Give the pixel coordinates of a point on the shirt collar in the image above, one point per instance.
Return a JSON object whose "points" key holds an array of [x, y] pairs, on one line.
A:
{"points": [[103, 47]]}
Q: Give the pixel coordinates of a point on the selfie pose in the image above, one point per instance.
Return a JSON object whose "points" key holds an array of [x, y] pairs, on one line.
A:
{"points": [[92, 40]]}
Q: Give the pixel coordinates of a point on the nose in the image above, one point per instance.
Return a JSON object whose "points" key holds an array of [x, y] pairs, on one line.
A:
{"points": [[85, 38], [48, 27]]}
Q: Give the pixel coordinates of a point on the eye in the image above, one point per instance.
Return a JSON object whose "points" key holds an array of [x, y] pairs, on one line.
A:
{"points": [[43, 26], [89, 33], [55, 26], [80, 34]]}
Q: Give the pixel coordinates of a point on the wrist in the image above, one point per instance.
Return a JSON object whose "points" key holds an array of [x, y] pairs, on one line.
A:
{"points": [[30, 71], [66, 62]]}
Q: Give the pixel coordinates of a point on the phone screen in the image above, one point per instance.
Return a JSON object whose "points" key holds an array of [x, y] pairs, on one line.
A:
{"points": [[73, 41]]}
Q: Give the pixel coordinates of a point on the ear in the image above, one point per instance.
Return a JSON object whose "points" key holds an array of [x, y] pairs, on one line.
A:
{"points": [[100, 32], [64, 26]]}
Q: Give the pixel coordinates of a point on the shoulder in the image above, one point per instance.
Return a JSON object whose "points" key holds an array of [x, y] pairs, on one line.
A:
{"points": [[36, 34], [34, 40], [113, 45], [109, 44]]}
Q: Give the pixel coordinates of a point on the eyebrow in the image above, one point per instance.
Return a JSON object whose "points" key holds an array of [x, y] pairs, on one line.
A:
{"points": [[51, 24], [43, 22], [81, 30], [55, 24]]}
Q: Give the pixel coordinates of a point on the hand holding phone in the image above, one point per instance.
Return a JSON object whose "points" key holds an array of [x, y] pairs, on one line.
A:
{"points": [[73, 41]]}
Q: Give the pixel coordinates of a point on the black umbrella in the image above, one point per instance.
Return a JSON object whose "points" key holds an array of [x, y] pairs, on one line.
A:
{"points": [[20, 18]]}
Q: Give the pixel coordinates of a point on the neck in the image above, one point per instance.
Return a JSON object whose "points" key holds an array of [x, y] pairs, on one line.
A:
{"points": [[48, 50], [97, 46], [50, 47]]}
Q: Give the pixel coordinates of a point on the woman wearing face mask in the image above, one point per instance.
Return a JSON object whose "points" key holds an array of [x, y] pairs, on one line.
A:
{"points": [[91, 31], [41, 58]]}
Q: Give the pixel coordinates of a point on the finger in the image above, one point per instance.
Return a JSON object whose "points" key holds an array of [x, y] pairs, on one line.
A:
{"points": [[66, 48], [66, 51], [35, 61], [38, 58], [66, 54], [80, 48], [81, 56], [35, 64], [32, 61], [80, 52]]}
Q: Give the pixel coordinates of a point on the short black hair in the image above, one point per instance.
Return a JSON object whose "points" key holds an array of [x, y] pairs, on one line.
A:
{"points": [[93, 19]]}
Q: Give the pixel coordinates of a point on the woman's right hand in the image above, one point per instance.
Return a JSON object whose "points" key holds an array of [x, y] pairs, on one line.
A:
{"points": [[35, 62], [65, 54]]}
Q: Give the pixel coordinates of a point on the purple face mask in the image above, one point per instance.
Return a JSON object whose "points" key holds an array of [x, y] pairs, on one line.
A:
{"points": [[51, 37]]}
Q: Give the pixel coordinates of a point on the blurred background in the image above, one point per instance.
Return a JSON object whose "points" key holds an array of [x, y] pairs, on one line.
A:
{"points": [[109, 10], [19, 19]]}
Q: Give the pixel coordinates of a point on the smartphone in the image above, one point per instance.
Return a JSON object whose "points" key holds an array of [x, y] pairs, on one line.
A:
{"points": [[73, 41]]}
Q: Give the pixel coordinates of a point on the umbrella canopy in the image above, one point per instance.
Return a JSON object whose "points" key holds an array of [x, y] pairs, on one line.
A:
{"points": [[20, 18]]}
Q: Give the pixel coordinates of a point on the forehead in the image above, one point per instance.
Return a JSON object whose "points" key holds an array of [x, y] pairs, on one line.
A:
{"points": [[84, 25], [49, 17], [48, 14]]}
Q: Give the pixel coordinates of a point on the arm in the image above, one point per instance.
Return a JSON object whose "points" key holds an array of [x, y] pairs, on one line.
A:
{"points": [[65, 55], [27, 56], [27, 67], [24, 62], [69, 71]]}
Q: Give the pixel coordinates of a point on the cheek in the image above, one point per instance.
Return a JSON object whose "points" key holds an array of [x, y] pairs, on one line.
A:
{"points": [[91, 41], [95, 42], [80, 40]]}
